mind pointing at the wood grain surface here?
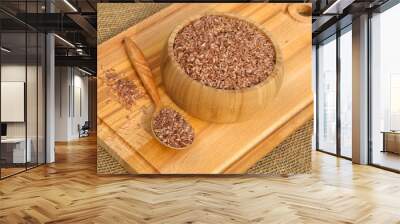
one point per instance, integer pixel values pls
(125, 132)
(143, 70)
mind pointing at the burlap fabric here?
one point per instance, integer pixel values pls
(113, 18)
(106, 164)
(292, 156)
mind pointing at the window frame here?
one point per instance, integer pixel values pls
(334, 37)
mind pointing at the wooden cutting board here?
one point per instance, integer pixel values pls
(218, 148)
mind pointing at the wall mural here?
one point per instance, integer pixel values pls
(205, 89)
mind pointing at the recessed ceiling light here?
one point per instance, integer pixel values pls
(337, 7)
(79, 51)
(84, 71)
(64, 40)
(70, 5)
(5, 50)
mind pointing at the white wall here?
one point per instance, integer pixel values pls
(62, 81)
(69, 82)
(80, 83)
(12, 73)
(33, 127)
(12, 101)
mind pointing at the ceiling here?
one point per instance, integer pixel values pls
(16, 42)
(74, 22)
(329, 16)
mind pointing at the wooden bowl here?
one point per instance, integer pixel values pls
(212, 104)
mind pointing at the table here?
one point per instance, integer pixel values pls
(16, 153)
(391, 141)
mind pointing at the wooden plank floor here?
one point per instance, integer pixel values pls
(69, 191)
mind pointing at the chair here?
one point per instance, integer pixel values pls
(84, 130)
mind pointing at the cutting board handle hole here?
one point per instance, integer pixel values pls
(300, 12)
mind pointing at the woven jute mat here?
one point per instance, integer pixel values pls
(113, 18)
(292, 156)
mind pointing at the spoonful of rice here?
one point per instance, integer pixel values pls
(168, 126)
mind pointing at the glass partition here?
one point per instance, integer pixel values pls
(346, 93)
(327, 96)
(385, 89)
(22, 107)
(13, 94)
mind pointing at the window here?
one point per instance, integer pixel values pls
(385, 89)
(346, 93)
(334, 94)
(394, 102)
(327, 96)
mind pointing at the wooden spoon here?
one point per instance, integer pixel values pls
(143, 70)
